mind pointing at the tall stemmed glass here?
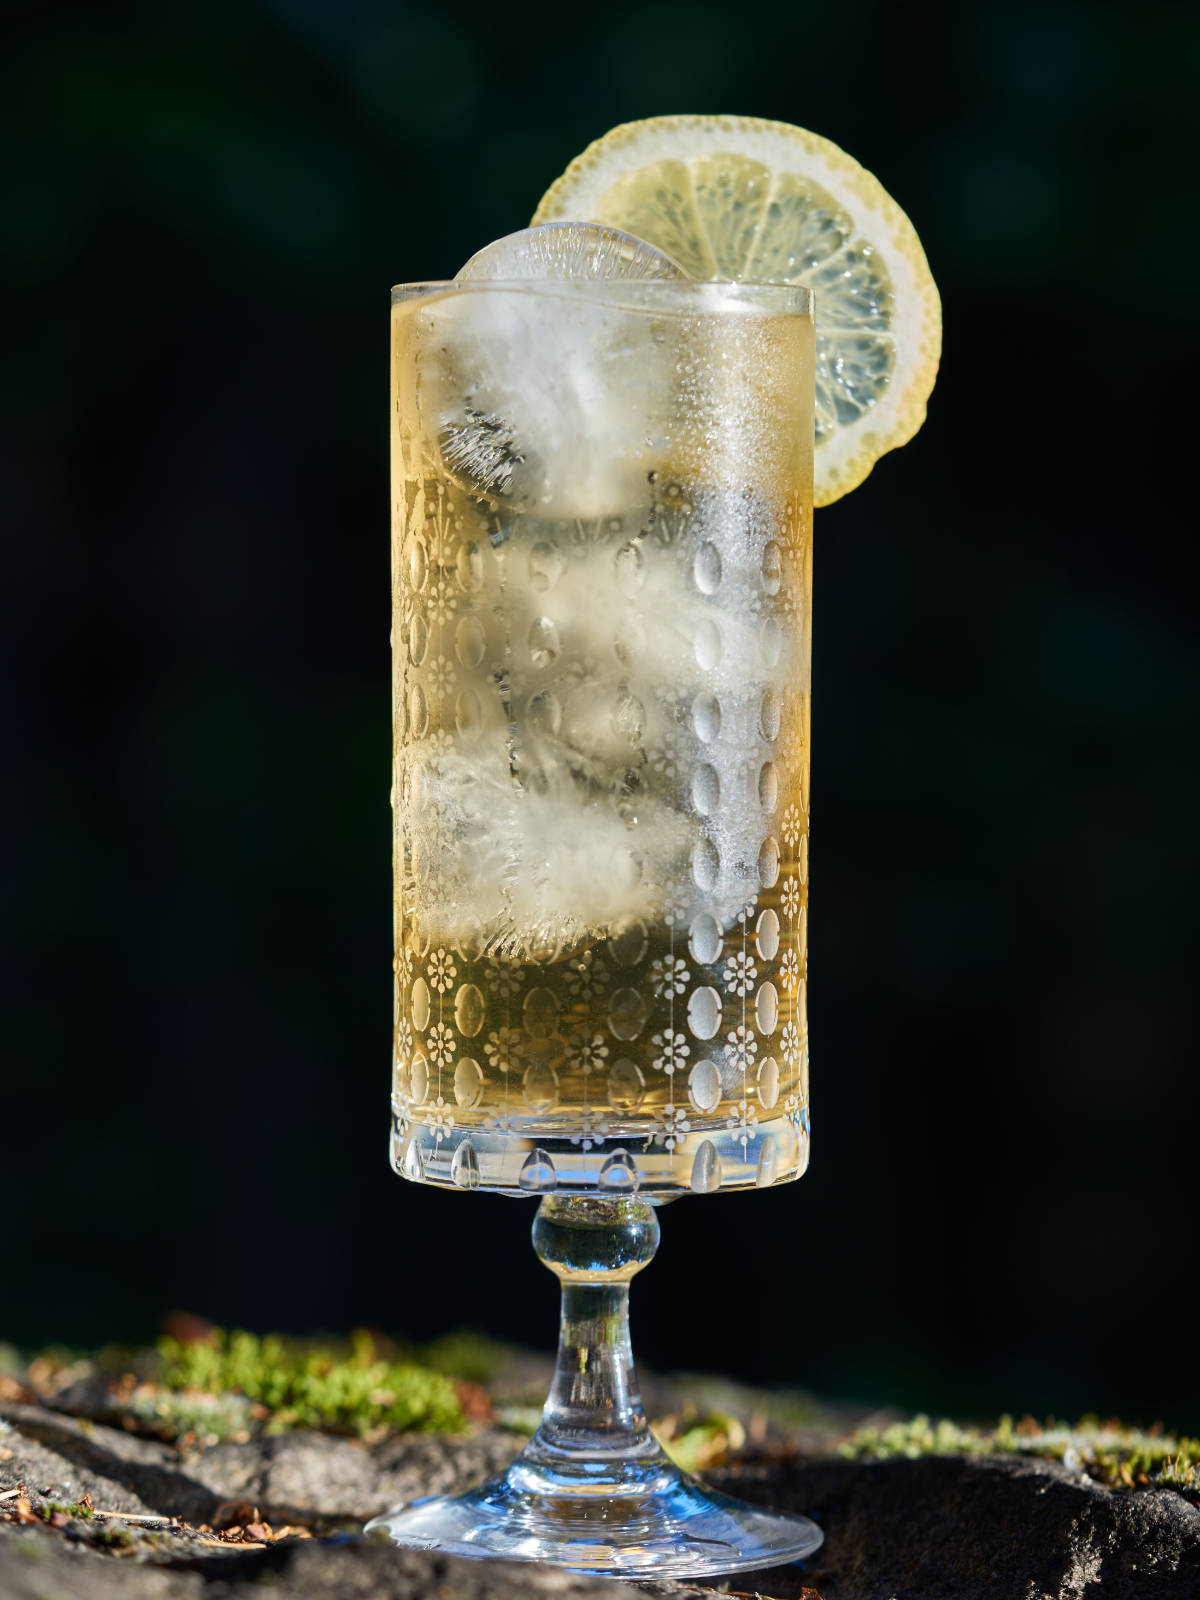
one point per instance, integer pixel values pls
(602, 560)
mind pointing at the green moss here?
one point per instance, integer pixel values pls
(467, 1355)
(1107, 1451)
(305, 1384)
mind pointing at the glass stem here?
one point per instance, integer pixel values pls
(593, 1430)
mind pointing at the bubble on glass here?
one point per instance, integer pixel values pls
(768, 863)
(546, 566)
(768, 1082)
(418, 639)
(706, 716)
(766, 935)
(626, 1085)
(704, 939)
(768, 787)
(704, 1012)
(420, 1005)
(469, 1010)
(769, 715)
(543, 642)
(706, 864)
(706, 1169)
(706, 568)
(629, 946)
(540, 1087)
(706, 789)
(626, 1014)
(618, 1174)
(537, 1174)
(704, 1086)
(418, 712)
(464, 1166)
(468, 1082)
(418, 565)
(470, 642)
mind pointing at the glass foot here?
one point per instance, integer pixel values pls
(661, 1521)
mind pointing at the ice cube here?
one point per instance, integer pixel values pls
(569, 251)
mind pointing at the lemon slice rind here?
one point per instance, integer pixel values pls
(896, 345)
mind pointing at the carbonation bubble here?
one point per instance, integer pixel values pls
(706, 716)
(419, 1079)
(420, 1005)
(768, 863)
(626, 1086)
(469, 1010)
(766, 935)
(618, 1174)
(546, 564)
(468, 1082)
(706, 864)
(544, 714)
(540, 1087)
(706, 789)
(766, 1008)
(468, 715)
(704, 939)
(768, 1162)
(629, 946)
(470, 641)
(704, 1012)
(543, 641)
(418, 713)
(768, 1082)
(768, 787)
(418, 639)
(706, 568)
(706, 1169)
(769, 715)
(626, 1014)
(707, 644)
(469, 566)
(704, 1086)
(464, 1167)
(772, 566)
(540, 1010)
(537, 1175)
(417, 565)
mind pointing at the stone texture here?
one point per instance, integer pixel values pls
(932, 1528)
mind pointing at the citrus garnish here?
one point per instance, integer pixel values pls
(568, 250)
(736, 197)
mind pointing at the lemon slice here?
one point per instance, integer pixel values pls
(568, 250)
(736, 197)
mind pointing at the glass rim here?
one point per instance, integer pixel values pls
(790, 299)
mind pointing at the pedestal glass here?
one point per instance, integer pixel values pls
(602, 563)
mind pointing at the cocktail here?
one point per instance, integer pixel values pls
(602, 602)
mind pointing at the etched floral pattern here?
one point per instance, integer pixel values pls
(403, 1042)
(789, 898)
(442, 600)
(741, 1049)
(673, 1051)
(441, 1044)
(743, 1122)
(502, 981)
(500, 1049)
(789, 1044)
(668, 976)
(587, 1051)
(789, 970)
(592, 1129)
(740, 973)
(672, 1127)
(792, 827)
(442, 971)
(441, 675)
(584, 975)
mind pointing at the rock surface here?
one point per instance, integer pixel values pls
(931, 1528)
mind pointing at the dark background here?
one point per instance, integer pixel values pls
(205, 207)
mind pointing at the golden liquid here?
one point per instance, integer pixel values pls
(601, 727)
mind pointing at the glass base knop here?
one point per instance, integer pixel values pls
(593, 1489)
